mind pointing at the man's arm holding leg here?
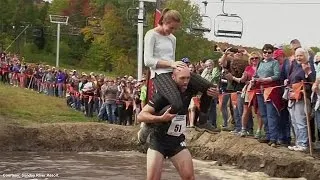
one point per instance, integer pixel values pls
(147, 115)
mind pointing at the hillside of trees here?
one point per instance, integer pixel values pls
(99, 35)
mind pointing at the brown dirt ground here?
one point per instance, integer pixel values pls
(245, 153)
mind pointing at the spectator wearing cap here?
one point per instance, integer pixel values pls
(284, 124)
(186, 60)
(278, 46)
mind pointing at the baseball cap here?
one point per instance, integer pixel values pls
(278, 46)
(185, 60)
(277, 53)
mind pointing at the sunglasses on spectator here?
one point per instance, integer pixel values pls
(254, 58)
(267, 52)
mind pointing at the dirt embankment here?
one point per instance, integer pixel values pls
(243, 152)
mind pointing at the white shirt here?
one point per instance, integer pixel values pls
(87, 87)
(158, 47)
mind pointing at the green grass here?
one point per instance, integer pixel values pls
(24, 106)
(220, 120)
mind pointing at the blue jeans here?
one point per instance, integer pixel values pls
(60, 89)
(270, 118)
(299, 122)
(50, 91)
(102, 115)
(238, 112)
(213, 112)
(97, 104)
(224, 109)
(111, 111)
(107, 111)
(77, 102)
(121, 113)
(284, 126)
(317, 119)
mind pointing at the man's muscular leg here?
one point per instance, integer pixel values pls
(154, 164)
(184, 165)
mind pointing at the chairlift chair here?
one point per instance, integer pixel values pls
(95, 24)
(204, 18)
(132, 17)
(228, 25)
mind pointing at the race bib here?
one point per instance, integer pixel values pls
(178, 125)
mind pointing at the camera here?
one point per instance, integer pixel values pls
(234, 50)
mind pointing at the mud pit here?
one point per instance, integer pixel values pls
(245, 153)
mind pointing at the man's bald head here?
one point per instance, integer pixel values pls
(181, 76)
(184, 70)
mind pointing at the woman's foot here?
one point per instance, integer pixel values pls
(243, 133)
(272, 144)
(258, 135)
(300, 148)
(263, 140)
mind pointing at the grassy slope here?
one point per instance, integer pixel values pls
(24, 106)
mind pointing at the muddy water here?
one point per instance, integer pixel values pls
(105, 165)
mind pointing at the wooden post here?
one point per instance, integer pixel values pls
(308, 118)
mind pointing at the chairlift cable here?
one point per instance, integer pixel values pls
(261, 3)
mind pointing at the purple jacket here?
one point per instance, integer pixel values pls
(16, 68)
(61, 77)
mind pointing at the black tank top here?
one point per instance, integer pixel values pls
(160, 130)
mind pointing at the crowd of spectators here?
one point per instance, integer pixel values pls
(266, 85)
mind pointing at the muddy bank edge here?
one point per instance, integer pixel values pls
(229, 149)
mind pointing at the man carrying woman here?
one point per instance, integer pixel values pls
(159, 56)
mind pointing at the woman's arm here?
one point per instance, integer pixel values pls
(149, 60)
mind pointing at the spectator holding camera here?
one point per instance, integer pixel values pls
(234, 61)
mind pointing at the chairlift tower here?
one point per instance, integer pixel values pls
(57, 19)
(141, 19)
(204, 19)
